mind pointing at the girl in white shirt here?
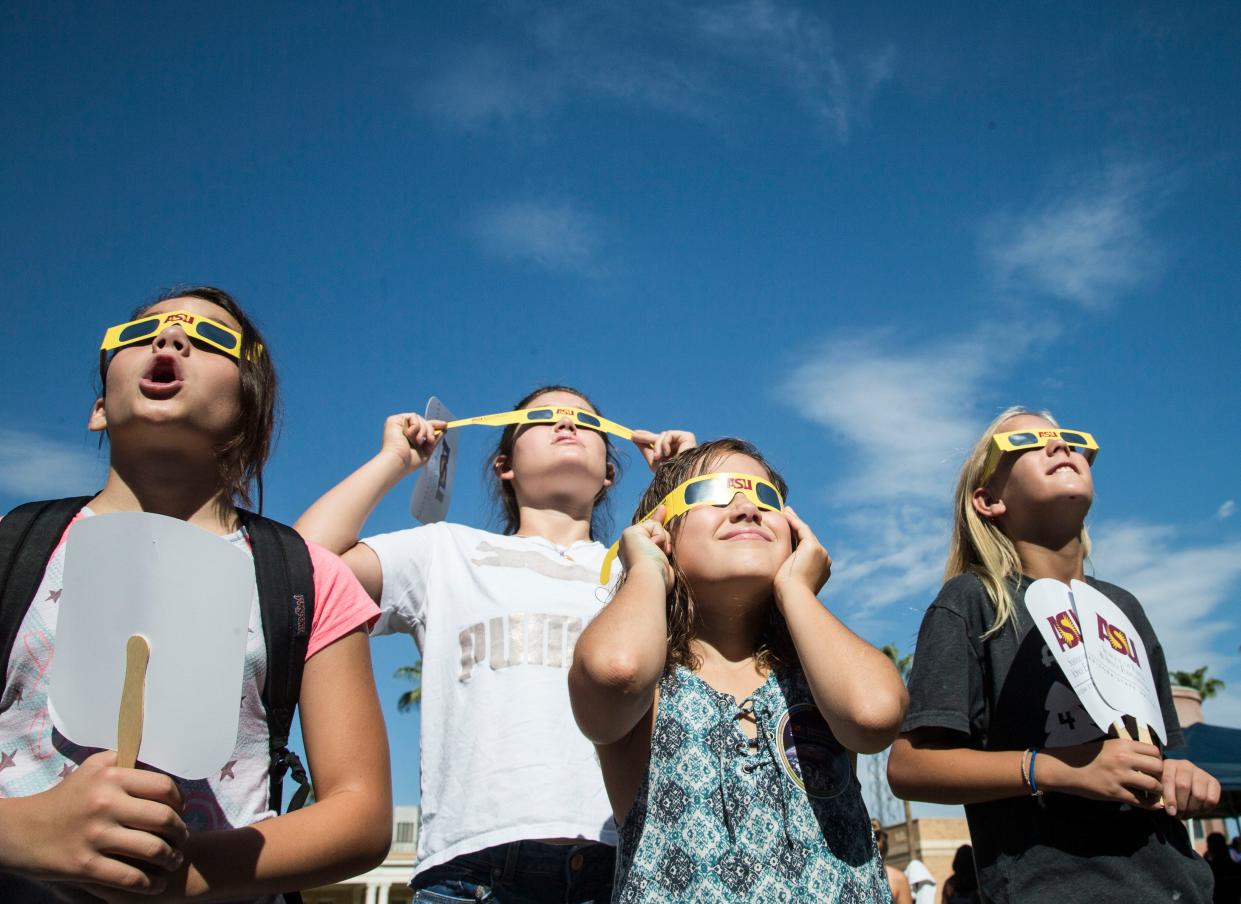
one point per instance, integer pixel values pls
(513, 804)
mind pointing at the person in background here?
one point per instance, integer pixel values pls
(921, 882)
(962, 886)
(901, 893)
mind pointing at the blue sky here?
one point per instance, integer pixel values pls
(848, 233)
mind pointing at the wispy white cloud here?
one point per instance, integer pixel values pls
(1184, 587)
(673, 58)
(906, 413)
(1087, 242)
(1226, 509)
(555, 235)
(34, 467)
(798, 47)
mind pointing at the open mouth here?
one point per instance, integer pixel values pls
(163, 376)
(164, 370)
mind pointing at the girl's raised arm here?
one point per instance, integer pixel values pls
(335, 521)
(620, 656)
(855, 686)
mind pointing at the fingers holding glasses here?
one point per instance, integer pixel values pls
(411, 438)
(658, 447)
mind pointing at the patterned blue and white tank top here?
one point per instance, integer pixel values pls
(722, 818)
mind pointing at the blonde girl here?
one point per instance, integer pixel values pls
(1057, 810)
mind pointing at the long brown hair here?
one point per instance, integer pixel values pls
(504, 497)
(240, 458)
(775, 645)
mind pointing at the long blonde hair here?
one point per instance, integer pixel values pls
(978, 545)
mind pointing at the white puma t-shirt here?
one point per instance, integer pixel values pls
(496, 618)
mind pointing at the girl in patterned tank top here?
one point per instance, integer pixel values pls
(727, 703)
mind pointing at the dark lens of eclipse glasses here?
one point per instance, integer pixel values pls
(767, 495)
(139, 330)
(713, 491)
(213, 333)
(587, 419)
(1023, 439)
(540, 414)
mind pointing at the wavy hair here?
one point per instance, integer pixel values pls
(978, 546)
(775, 645)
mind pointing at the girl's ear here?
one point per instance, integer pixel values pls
(503, 469)
(609, 475)
(987, 506)
(98, 420)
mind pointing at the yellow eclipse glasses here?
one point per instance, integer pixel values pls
(1023, 440)
(145, 329)
(546, 415)
(707, 489)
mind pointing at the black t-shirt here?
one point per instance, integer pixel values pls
(1008, 693)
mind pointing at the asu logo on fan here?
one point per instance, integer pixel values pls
(1066, 629)
(1117, 640)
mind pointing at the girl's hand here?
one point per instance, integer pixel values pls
(102, 824)
(809, 565)
(410, 439)
(648, 544)
(1119, 769)
(657, 447)
(1187, 789)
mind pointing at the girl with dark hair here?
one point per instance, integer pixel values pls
(726, 703)
(187, 402)
(513, 809)
(1054, 803)
(962, 886)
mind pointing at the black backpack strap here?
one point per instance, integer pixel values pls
(285, 578)
(28, 536)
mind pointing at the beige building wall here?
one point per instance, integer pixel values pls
(935, 842)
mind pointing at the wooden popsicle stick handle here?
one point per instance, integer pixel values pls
(133, 694)
(1121, 731)
(1144, 735)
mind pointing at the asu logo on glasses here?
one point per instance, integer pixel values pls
(1025, 440)
(707, 489)
(581, 417)
(209, 332)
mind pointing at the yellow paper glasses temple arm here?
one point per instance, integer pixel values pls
(706, 489)
(1023, 440)
(545, 415)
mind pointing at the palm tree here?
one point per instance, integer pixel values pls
(1198, 680)
(903, 663)
(413, 696)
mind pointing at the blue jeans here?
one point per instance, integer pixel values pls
(522, 872)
